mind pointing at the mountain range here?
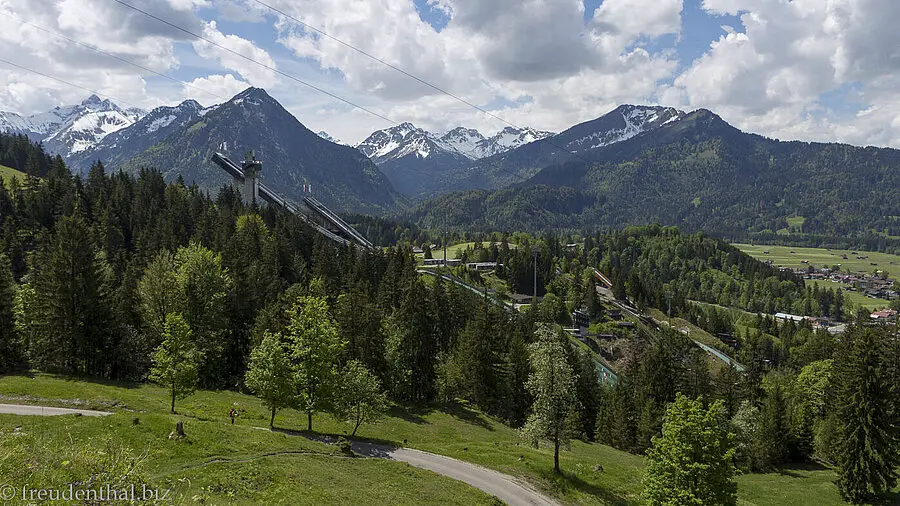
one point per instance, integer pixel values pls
(72, 129)
(633, 165)
(693, 170)
(418, 163)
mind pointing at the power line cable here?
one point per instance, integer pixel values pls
(418, 79)
(330, 94)
(266, 66)
(111, 55)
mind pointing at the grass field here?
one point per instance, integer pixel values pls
(782, 256)
(241, 464)
(7, 173)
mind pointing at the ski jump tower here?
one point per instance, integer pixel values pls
(249, 187)
(245, 179)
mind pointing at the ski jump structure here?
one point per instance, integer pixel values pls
(245, 179)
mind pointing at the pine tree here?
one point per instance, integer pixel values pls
(71, 306)
(554, 414)
(870, 453)
(9, 349)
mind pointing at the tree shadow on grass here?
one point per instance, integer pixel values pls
(567, 481)
(792, 468)
(411, 414)
(468, 415)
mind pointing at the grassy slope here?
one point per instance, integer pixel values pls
(7, 173)
(782, 256)
(457, 432)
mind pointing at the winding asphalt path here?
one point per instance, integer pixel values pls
(23, 409)
(499, 485)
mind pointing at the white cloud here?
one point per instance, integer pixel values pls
(773, 77)
(240, 55)
(489, 52)
(213, 89)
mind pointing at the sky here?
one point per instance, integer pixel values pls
(814, 70)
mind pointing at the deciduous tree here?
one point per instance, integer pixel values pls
(270, 375)
(359, 396)
(554, 415)
(691, 463)
(176, 359)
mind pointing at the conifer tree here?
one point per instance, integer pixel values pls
(9, 349)
(869, 453)
(70, 302)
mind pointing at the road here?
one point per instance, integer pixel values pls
(504, 487)
(22, 409)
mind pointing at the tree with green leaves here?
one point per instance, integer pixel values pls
(271, 376)
(315, 349)
(554, 413)
(176, 360)
(691, 463)
(159, 292)
(204, 284)
(359, 396)
(870, 436)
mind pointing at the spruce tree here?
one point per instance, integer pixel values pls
(9, 349)
(70, 302)
(870, 453)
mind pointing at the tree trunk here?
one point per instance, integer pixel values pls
(358, 420)
(309, 421)
(556, 456)
(272, 420)
(173, 398)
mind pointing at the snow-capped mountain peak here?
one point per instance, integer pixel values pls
(621, 124)
(405, 139)
(71, 129)
(323, 134)
(397, 142)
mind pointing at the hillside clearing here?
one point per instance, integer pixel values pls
(243, 464)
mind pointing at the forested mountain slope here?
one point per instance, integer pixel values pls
(699, 173)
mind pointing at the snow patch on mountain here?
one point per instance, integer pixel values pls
(623, 123)
(323, 134)
(72, 129)
(463, 143)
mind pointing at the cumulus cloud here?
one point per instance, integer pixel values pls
(239, 54)
(775, 77)
(213, 89)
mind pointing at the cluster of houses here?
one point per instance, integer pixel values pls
(876, 287)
